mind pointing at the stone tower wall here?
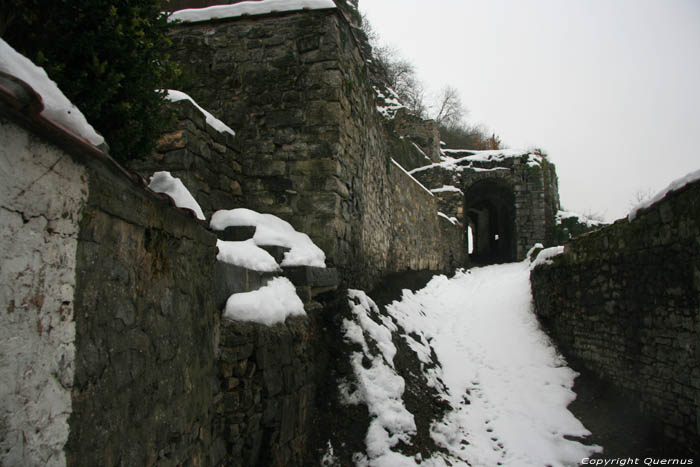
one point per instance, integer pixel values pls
(314, 150)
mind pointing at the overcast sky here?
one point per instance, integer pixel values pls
(610, 89)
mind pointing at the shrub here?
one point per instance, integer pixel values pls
(106, 56)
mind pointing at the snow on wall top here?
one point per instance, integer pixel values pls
(192, 15)
(212, 121)
(411, 176)
(269, 305)
(580, 218)
(673, 186)
(57, 107)
(462, 159)
(164, 182)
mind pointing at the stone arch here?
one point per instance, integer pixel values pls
(489, 210)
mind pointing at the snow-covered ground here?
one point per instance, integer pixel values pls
(507, 387)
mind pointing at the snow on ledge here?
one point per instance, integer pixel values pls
(163, 182)
(246, 254)
(545, 256)
(192, 15)
(580, 218)
(212, 121)
(673, 186)
(57, 107)
(412, 177)
(268, 305)
(418, 148)
(452, 220)
(447, 189)
(271, 230)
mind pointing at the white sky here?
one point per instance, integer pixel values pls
(609, 88)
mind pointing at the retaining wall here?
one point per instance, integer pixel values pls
(113, 351)
(625, 300)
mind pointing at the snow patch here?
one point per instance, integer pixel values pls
(246, 254)
(411, 176)
(447, 189)
(192, 15)
(673, 186)
(378, 386)
(450, 160)
(580, 218)
(271, 230)
(212, 121)
(452, 220)
(391, 103)
(545, 256)
(57, 107)
(269, 305)
(420, 150)
(163, 182)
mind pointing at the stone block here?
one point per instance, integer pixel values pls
(311, 276)
(276, 251)
(237, 233)
(230, 279)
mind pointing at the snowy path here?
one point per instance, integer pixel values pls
(507, 386)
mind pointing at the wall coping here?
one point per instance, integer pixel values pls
(22, 104)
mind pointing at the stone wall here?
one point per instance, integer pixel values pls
(42, 191)
(625, 301)
(418, 132)
(314, 150)
(268, 377)
(421, 240)
(205, 159)
(145, 381)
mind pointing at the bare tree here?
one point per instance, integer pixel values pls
(641, 196)
(399, 73)
(449, 110)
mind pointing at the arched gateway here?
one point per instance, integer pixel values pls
(490, 213)
(505, 199)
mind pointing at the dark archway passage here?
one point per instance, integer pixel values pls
(490, 213)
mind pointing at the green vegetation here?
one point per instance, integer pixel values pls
(107, 58)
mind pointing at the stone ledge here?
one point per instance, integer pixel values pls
(236, 234)
(230, 279)
(311, 276)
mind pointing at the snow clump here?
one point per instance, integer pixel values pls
(164, 182)
(268, 305)
(271, 230)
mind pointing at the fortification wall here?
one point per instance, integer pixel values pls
(624, 300)
(314, 150)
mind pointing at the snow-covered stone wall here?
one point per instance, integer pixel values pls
(625, 301)
(42, 193)
(314, 149)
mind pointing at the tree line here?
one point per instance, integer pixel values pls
(446, 108)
